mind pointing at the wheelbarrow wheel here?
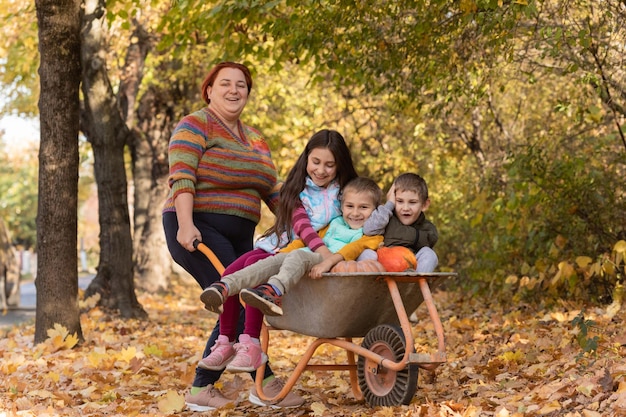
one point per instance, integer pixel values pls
(380, 386)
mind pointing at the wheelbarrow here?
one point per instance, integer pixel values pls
(371, 305)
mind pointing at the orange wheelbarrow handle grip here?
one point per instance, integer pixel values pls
(210, 255)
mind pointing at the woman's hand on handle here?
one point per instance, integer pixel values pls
(187, 230)
(187, 236)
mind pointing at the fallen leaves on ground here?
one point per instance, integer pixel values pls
(502, 361)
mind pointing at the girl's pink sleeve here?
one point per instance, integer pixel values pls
(304, 230)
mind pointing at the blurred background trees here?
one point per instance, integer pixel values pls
(512, 111)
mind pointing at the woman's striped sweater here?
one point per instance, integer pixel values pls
(226, 174)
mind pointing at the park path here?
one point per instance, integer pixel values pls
(28, 300)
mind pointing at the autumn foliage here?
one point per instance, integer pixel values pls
(509, 360)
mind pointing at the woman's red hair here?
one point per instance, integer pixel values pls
(212, 75)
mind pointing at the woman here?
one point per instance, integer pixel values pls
(220, 170)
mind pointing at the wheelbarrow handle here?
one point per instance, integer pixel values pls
(210, 255)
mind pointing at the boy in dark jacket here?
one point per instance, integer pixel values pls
(402, 221)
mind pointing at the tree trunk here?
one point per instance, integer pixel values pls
(57, 217)
(150, 130)
(105, 129)
(150, 171)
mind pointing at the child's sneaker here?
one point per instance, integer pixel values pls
(264, 298)
(214, 296)
(208, 399)
(221, 354)
(271, 389)
(248, 355)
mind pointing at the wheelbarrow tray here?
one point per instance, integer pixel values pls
(348, 304)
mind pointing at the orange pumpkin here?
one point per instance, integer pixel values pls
(396, 258)
(367, 265)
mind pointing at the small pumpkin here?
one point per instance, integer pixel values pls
(367, 265)
(396, 258)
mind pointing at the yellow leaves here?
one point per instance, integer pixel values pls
(620, 403)
(613, 308)
(550, 408)
(89, 303)
(608, 268)
(453, 409)
(10, 364)
(468, 6)
(574, 274)
(23, 403)
(517, 356)
(318, 408)
(477, 220)
(88, 392)
(583, 261)
(95, 357)
(109, 395)
(608, 264)
(502, 412)
(171, 403)
(385, 412)
(587, 388)
(127, 354)
(59, 338)
(620, 252)
(53, 376)
(564, 316)
(566, 271)
(528, 283)
(511, 279)
(464, 323)
(152, 350)
(41, 393)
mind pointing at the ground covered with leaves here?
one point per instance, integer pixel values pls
(512, 360)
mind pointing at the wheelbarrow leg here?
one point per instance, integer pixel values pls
(396, 298)
(291, 381)
(354, 378)
(438, 357)
(426, 361)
